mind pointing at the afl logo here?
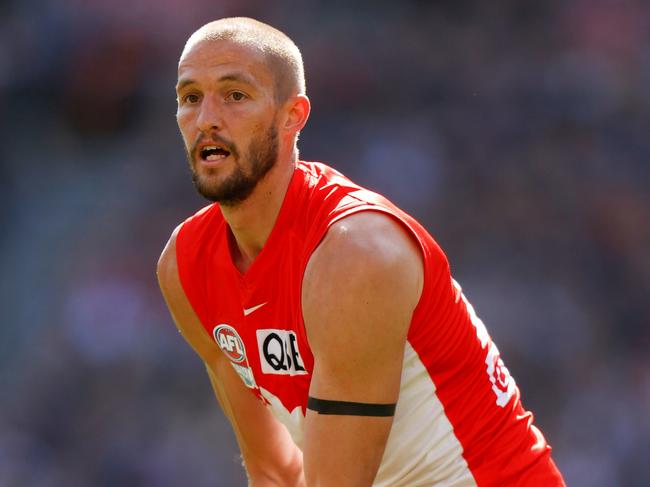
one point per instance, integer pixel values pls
(230, 342)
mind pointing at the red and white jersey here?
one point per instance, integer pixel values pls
(459, 420)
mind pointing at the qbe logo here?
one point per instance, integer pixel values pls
(230, 342)
(279, 352)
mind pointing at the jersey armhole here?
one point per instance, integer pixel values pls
(181, 261)
(186, 265)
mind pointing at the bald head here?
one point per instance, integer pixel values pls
(280, 53)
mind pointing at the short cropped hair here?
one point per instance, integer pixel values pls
(281, 53)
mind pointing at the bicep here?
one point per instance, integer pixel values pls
(359, 292)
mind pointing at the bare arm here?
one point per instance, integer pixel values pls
(360, 289)
(270, 456)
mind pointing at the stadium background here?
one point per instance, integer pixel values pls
(517, 131)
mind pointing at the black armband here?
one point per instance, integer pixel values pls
(323, 406)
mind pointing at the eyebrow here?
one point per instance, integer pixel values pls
(237, 77)
(183, 83)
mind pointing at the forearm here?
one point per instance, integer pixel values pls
(344, 450)
(271, 458)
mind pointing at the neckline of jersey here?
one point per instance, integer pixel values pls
(281, 220)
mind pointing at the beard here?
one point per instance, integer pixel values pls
(261, 156)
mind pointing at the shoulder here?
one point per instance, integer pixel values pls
(367, 263)
(368, 242)
(363, 281)
(203, 220)
(189, 238)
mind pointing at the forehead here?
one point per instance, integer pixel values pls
(209, 57)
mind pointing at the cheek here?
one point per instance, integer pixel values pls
(183, 120)
(182, 117)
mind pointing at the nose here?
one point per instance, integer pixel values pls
(209, 117)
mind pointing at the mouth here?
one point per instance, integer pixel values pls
(212, 153)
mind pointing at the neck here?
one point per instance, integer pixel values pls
(252, 220)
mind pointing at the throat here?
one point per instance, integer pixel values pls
(251, 222)
(241, 256)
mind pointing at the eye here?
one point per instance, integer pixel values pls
(236, 96)
(190, 98)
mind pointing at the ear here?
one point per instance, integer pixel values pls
(296, 114)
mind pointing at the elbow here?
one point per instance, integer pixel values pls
(277, 479)
(289, 474)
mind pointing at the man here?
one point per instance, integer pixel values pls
(337, 343)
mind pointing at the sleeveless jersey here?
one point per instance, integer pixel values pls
(459, 420)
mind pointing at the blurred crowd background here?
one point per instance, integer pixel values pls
(516, 131)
